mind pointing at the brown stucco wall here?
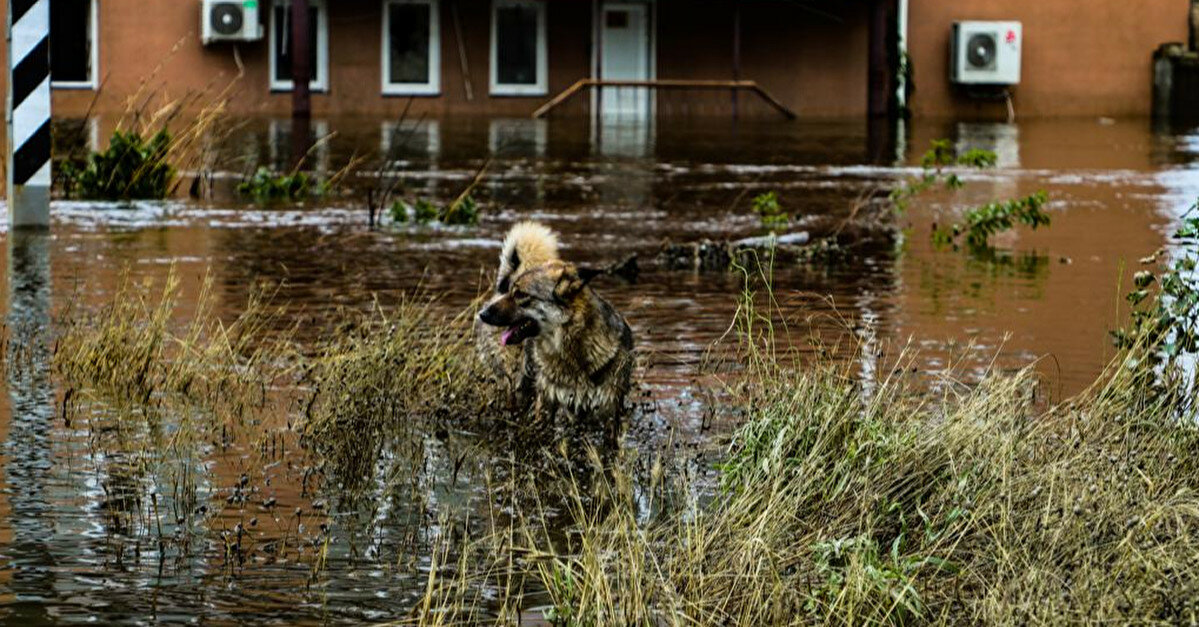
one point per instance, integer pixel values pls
(1079, 58)
(1087, 58)
(152, 49)
(810, 56)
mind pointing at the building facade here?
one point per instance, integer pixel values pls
(509, 57)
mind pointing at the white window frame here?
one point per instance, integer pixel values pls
(322, 47)
(92, 83)
(433, 86)
(541, 87)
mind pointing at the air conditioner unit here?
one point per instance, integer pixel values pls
(230, 20)
(985, 53)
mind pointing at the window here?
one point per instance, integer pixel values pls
(73, 50)
(411, 47)
(318, 46)
(518, 64)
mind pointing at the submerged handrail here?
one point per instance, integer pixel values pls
(585, 83)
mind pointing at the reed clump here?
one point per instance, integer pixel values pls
(134, 350)
(401, 373)
(858, 502)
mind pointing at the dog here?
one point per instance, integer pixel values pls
(578, 348)
(527, 244)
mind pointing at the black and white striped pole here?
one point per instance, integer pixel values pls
(28, 113)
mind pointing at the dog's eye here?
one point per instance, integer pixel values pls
(520, 295)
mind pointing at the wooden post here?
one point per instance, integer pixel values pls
(28, 145)
(301, 79)
(301, 72)
(883, 60)
(1193, 40)
(736, 50)
(598, 21)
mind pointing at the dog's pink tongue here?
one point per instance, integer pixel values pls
(507, 335)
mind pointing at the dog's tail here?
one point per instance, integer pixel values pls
(527, 243)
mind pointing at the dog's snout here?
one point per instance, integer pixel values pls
(489, 316)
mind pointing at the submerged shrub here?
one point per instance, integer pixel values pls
(420, 212)
(940, 155)
(131, 168)
(265, 187)
(462, 212)
(994, 218)
(769, 211)
(1167, 327)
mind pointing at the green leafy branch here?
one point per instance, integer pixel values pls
(1170, 322)
(933, 164)
(766, 205)
(993, 218)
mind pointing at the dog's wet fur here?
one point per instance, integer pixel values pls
(527, 244)
(577, 355)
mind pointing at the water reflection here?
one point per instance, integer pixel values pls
(30, 557)
(282, 152)
(517, 137)
(626, 137)
(402, 140)
(1001, 139)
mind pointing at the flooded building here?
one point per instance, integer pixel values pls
(817, 58)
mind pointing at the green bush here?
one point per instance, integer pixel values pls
(464, 212)
(769, 211)
(996, 217)
(1168, 324)
(939, 156)
(132, 168)
(265, 187)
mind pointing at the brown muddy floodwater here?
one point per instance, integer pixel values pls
(1116, 188)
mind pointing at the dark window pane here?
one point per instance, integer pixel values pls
(617, 19)
(283, 43)
(409, 45)
(71, 45)
(516, 45)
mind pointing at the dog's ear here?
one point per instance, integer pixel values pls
(570, 283)
(513, 264)
(587, 273)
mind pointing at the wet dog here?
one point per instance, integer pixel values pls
(578, 348)
(526, 245)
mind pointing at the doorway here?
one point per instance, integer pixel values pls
(625, 46)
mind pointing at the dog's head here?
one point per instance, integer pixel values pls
(540, 298)
(527, 244)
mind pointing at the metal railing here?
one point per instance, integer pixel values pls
(586, 83)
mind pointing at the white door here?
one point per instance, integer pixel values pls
(625, 56)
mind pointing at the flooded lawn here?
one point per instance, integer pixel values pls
(81, 534)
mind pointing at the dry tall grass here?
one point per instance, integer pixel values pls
(857, 504)
(393, 375)
(840, 500)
